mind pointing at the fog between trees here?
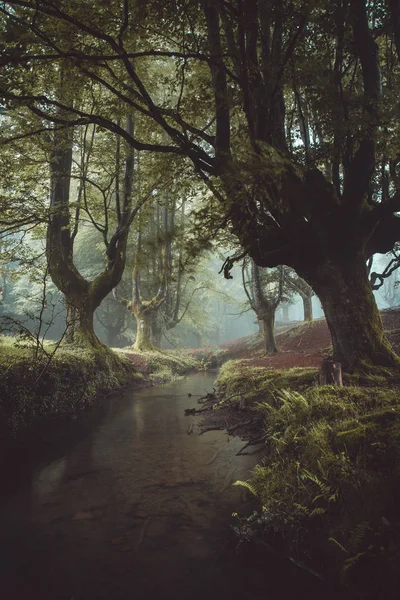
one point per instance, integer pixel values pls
(141, 138)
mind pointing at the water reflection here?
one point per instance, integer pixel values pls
(137, 508)
(48, 478)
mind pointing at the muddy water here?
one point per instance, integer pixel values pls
(135, 508)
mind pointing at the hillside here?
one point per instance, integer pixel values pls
(303, 345)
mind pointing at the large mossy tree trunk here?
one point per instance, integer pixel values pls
(82, 296)
(79, 324)
(144, 320)
(351, 312)
(325, 229)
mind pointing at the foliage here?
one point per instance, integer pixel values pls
(329, 486)
(35, 390)
(161, 366)
(239, 378)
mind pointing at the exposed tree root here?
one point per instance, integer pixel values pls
(253, 442)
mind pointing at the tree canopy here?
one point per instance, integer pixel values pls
(287, 112)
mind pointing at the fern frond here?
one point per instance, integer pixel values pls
(247, 485)
(339, 545)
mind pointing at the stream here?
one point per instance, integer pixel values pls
(129, 505)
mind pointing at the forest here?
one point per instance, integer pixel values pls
(200, 234)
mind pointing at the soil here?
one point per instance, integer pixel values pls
(304, 345)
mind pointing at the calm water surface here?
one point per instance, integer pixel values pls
(134, 507)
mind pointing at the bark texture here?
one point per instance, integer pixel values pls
(351, 312)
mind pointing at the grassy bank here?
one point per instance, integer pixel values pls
(35, 391)
(329, 485)
(161, 366)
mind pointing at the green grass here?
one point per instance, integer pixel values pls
(162, 366)
(329, 485)
(239, 378)
(34, 389)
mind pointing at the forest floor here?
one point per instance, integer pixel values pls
(302, 346)
(328, 482)
(39, 387)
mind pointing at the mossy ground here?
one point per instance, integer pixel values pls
(35, 391)
(240, 379)
(329, 485)
(161, 366)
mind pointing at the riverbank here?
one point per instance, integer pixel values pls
(38, 389)
(328, 482)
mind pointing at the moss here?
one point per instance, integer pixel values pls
(330, 481)
(239, 379)
(161, 366)
(34, 390)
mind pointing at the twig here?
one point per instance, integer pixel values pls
(196, 411)
(213, 428)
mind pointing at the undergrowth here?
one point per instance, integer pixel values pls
(162, 366)
(35, 388)
(329, 486)
(238, 379)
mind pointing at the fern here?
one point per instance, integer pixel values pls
(247, 485)
(338, 544)
(357, 536)
(350, 562)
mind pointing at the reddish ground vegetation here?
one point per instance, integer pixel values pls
(303, 345)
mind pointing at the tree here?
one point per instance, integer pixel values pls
(146, 311)
(115, 321)
(297, 285)
(83, 297)
(264, 291)
(241, 59)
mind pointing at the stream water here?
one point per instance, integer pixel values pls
(132, 506)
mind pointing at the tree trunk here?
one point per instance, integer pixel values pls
(268, 320)
(157, 331)
(80, 325)
(351, 312)
(260, 327)
(112, 336)
(143, 335)
(198, 339)
(308, 310)
(71, 320)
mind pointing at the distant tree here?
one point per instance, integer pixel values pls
(115, 321)
(157, 271)
(228, 72)
(297, 285)
(264, 290)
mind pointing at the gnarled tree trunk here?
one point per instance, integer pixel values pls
(82, 296)
(351, 312)
(144, 320)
